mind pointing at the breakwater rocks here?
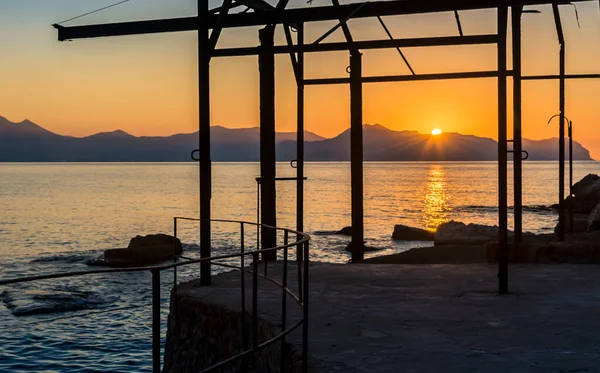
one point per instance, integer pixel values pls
(142, 250)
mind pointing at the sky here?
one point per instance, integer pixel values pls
(147, 85)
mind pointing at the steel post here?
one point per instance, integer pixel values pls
(517, 138)
(571, 229)
(305, 297)
(155, 321)
(502, 153)
(561, 126)
(356, 155)
(266, 66)
(204, 139)
(300, 136)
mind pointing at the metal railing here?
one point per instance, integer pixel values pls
(302, 245)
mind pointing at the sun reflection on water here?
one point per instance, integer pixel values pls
(435, 211)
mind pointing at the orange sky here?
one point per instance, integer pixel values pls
(147, 85)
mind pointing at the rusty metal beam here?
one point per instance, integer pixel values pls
(290, 16)
(365, 44)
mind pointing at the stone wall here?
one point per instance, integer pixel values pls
(201, 334)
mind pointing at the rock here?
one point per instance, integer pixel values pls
(593, 222)
(367, 249)
(142, 250)
(155, 240)
(457, 233)
(586, 195)
(346, 231)
(580, 223)
(586, 185)
(406, 233)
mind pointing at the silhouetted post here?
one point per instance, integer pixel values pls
(356, 155)
(266, 66)
(561, 127)
(571, 229)
(204, 142)
(517, 138)
(502, 153)
(300, 135)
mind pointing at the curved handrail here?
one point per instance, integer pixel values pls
(302, 240)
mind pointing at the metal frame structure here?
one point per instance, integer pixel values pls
(252, 345)
(261, 13)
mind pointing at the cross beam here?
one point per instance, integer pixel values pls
(287, 16)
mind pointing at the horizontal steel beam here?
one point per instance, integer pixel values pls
(365, 44)
(288, 16)
(556, 77)
(406, 78)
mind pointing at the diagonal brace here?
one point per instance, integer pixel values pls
(397, 48)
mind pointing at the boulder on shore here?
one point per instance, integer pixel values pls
(406, 233)
(580, 223)
(142, 250)
(367, 249)
(593, 221)
(586, 195)
(457, 233)
(346, 231)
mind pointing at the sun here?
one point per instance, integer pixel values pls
(436, 131)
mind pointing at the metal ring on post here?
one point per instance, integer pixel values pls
(192, 155)
(294, 163)
(526, 154)
(348, 69)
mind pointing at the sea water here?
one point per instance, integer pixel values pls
(54, 217)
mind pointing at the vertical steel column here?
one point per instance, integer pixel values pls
(517, 138)
(266, 66)
(300, 136)
(561, 127)
(356, 155)
(155, 321)
(204, 142)
(502, 152)
(571, 229)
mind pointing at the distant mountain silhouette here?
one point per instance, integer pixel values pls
(383, 144)
(28, 142)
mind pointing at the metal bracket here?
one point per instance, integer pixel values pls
(192, 155)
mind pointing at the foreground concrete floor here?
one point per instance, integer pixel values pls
(438, 318)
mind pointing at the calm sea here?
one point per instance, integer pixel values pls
(55, 216)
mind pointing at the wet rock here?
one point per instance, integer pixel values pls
(142, 250)
(580, 223)
(586, 195)
(346, 231)
(367, 249)
(593, 221)
(458, 233)
(406, 233)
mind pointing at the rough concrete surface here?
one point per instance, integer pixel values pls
(436, 318)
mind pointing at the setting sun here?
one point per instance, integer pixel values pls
(436, 131)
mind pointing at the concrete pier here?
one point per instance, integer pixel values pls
(435, 318)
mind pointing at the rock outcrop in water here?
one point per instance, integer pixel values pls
(458, 233)
(142, 250)
(406, 233)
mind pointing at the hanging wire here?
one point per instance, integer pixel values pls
(93, 11)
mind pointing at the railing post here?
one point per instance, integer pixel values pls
(155, 321)
(305, 310)
(175, 227)
(284, 299)
(243, 284)
(254, 300)
(299, 255)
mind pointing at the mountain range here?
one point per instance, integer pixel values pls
(28, 142)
